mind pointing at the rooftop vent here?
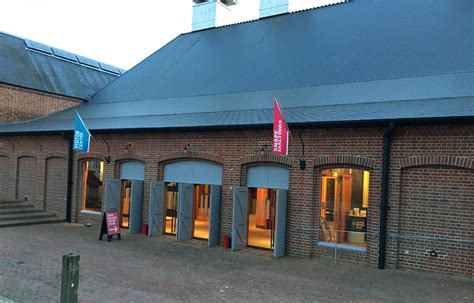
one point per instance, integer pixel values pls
(211, 13)
(273, 7)
(277, 7)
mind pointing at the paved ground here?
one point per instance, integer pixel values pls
(140, 269)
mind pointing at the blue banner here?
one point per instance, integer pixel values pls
(82, 136)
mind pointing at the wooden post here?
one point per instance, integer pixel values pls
(70, 278)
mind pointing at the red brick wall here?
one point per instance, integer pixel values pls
(18, 104)
(436, 213)
(56, 186)
(324, 148)
(25, 159)
(449, 146)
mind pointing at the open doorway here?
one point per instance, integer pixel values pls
(202, 208)
(171, 207)
(125, 203)
(261, 217)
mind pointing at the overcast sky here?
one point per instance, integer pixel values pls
(117, 32)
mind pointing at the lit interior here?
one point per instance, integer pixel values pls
(261, 217)
(125, 207)
(92, 184)
(171, 208)
(344, 206)
(202, 207)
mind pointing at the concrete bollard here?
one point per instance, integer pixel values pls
(70, 278)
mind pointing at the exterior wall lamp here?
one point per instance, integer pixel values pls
(186, 148)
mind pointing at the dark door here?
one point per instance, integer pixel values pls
(214, 218)
(280, 223)
(112, 195)
(136, 207)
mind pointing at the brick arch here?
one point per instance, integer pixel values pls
(6, 154)
(266, 159)
(182, 156)
(345, 160)
(87, 156)
(27, 154)
(438, 160)
(177, 156)
(129, 157)
(55, 155)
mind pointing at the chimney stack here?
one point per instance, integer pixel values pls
(273, 7)
(210, 13)
(278, 7)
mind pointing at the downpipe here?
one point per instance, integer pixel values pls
(387, 138)
(70, 162)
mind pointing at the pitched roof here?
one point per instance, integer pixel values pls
(36, 66)
(365, 60)
(359, 41)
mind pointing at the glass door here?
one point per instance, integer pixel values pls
(201, 211)
(125, 207)
(261, 217)
(171, 207)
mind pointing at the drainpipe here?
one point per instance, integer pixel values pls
(387, 137)
(70, 162)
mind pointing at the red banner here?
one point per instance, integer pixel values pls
(280, 131)
(113, 227)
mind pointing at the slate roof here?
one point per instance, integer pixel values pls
(37, 66)
(366, 60)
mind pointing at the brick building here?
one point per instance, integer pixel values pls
(379, 100)
(36, 79)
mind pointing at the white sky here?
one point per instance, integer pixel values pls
(117, 32)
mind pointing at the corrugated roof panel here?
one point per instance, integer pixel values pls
(38, 46)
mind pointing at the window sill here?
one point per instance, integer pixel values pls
(91, 212)
(342, 246)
